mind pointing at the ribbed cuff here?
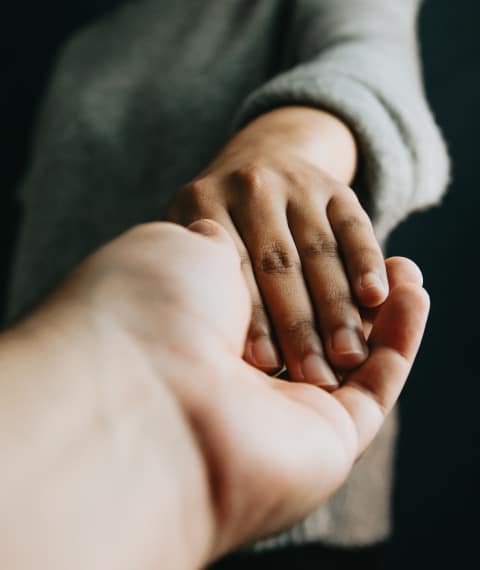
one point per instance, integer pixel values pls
(401, 171)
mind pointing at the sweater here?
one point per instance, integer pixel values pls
(142, 100)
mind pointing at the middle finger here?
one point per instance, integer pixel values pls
(278, 272)
(339, 317)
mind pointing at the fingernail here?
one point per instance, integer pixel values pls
(264, 353)
(347, 341)
(203, 227)
(316, 371)
(372, 281)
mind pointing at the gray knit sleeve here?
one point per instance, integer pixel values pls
(358, 59)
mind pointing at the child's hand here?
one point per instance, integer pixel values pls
(309, 253)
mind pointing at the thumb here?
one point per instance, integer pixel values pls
(209, 228)
(217, 233)
(225, 291)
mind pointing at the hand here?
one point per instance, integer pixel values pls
(273, 450)
(198, 446)
(100, 390)
(279, 449)
(309, 254)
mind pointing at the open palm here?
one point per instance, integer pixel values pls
(273, 450)
(277, 449)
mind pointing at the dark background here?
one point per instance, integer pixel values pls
(437, 502)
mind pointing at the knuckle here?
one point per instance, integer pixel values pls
(344, 196)
(195, 191)
(299, 327)
(349, 194)
(275, 258)
(252, 178)
(193, 201)
(337, 300)
(321, 245)
(301, 332)
(296, 177)
(349, 224)
(337, 189)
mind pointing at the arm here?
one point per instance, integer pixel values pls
(99, 467)
(359, 61)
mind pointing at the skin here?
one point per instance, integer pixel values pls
(133, 435)
(309, 253)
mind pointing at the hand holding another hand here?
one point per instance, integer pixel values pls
(308, 250)
(146, 440)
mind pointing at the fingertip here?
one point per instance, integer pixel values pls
(427, 296)
(402, 319)
(423, 297)
(317, 372)
(262, 354)
(409, 293)
(208, 228)
(216, 233)
(348, 362)
(403, 269)
(348, 349)
(372, 290)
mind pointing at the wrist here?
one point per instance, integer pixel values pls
(104, 455)
(317, 136)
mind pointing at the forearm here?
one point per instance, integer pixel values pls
(99, 466)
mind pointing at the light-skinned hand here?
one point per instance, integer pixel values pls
(145, 440)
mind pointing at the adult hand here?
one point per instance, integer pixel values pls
(199, 450)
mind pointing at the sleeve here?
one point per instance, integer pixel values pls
(358, 59)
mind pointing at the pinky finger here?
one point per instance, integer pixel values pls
(360, 249)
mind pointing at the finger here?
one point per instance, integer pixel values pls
(369, 393)
(278, 272)
(213, 230)
(361, 252)
(209, 228)
(194, 202)
(339, 319)
(403, 270)
(400, 270)
(260, 347)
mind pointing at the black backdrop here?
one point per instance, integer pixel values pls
(438, 462)
(437, 499)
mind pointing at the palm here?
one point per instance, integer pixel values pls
(287, 436)
(274, 450)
